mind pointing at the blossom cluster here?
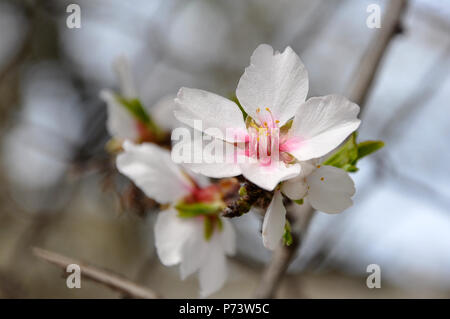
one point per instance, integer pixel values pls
(283, 144)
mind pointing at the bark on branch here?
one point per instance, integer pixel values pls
(96, 274)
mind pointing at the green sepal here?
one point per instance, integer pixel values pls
(209, 224)
(186, 210)
(208, 228)
(287, 236)
(135, 107)
(347, 156)
(298, 201)
(368, 147)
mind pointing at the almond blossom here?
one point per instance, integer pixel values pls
(272, 92)
(127, 118)
(188, 231)
(328, 189)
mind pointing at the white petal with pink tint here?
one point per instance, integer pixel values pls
(225, 165)
(214, 111)
(321, 124)
(268, 176)
(278, 81)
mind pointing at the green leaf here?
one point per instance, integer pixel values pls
(287, 236)
(368, 147)
(346, 155)
(186, 210)
(134, 106)
(299, 201)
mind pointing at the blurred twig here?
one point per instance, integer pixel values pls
(357, 91)
(362, 79)
(102, 276)
(283, 256)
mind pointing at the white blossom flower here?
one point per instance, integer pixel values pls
(327, 189)
(181, 240)
(127, 118)
(272, 91)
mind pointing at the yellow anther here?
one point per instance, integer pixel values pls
(258, 110)
(318, 166)
(322, 178)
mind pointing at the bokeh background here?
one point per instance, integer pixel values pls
(52, 137)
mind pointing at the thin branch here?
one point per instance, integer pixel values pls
(96, 274)
(365, 72)
(282, 257)
(358, 91)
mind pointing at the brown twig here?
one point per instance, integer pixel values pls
(249, 195)
(96, 274)
(357, 91)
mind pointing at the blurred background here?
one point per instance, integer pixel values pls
(55, 189)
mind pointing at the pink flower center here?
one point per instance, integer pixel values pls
(265, 142)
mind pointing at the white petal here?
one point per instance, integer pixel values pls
(122, 68)
(150, 167)
(171, 233)
(278, 81)
(330, 189)
(162, 113)
(194, 250)
(321, 124)
(308, 167)
(199, 161)
(274, 222)
(228, 237)
(213, 110)
(216, 170)
(120, 122)
(268, 177)
(213, 272)
(295, 188)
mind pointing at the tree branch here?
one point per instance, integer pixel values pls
(282, 257)
(96, 274)
(357, 91)
(362, 79)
